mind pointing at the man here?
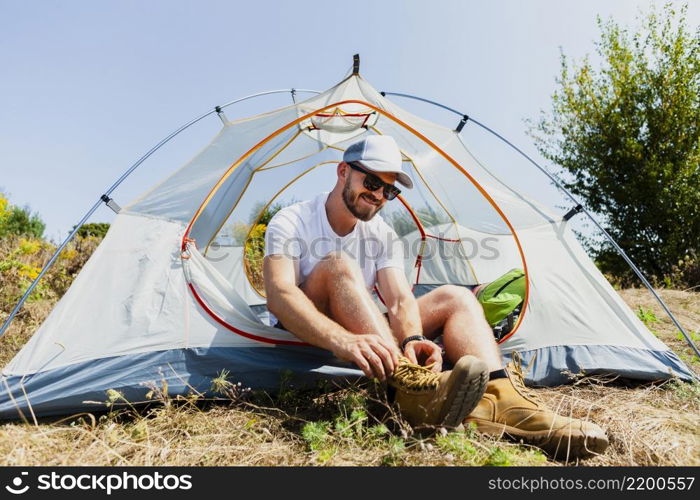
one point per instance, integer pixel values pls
(323, 258)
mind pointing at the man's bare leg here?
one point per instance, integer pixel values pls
(464, 327)
(337, 289)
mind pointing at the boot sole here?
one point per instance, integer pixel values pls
(472, 377)
(560, 446)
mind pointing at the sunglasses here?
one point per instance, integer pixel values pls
(372, 183)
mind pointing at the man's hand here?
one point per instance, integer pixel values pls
(424, 352)
(375, 356)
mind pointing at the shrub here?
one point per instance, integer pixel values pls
(16, 220)
(98, 229)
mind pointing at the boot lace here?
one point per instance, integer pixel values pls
(515, 368)
(412, 376)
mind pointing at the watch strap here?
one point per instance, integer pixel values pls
(411, 339)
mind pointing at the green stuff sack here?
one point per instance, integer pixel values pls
(500, 297)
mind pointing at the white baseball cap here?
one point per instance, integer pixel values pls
(378, 153)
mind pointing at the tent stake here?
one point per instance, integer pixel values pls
(107, 200)
(551, 176)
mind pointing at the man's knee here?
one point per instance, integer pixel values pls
(458, 298)
(340, 265)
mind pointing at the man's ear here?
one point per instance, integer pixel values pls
(343, 170)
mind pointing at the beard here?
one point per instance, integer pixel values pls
(353, 202)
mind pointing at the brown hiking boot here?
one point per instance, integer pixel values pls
(430, 399)
(510, 408)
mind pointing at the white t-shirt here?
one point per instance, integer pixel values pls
(302, 232)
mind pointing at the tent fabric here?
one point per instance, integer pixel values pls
(83, 385)
(172, 287)
(562, 364)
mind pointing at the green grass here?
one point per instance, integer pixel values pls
(353, 428)
(685, 390)
(467, 448)
(694, 336)
(647, 316)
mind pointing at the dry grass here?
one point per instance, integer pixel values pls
(648, 424)
(686, 308)
(245, 433)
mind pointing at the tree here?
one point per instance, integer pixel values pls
(19, 220)
(98, 229)
(626, 137)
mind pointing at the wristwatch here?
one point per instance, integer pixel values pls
(411, 339)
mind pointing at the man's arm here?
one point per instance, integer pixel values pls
(404, 316)
(298, 314)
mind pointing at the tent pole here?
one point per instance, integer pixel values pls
(121, 179)
(551, 176)
(188, 125)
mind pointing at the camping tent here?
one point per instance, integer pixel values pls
(173, 292)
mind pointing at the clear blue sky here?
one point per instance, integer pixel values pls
(87, 87)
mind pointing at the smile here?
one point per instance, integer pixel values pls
(369, 201)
